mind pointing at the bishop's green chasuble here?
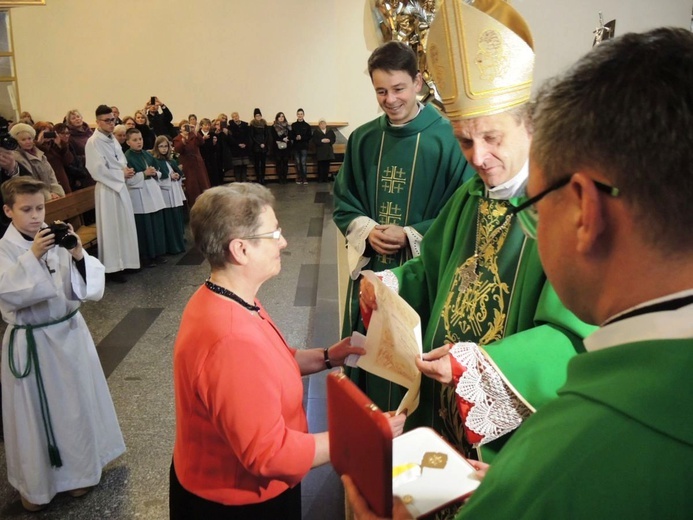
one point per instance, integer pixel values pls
(479, 279)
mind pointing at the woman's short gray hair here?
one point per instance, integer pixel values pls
(224, 213)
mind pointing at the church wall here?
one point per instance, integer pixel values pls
(212, 56)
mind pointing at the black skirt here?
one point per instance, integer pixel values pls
(184, 505)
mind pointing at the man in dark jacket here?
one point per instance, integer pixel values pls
(240, 147)
(300, 135)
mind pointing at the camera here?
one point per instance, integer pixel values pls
(6, 140)
(188, 128)
(223, 124)
(62, 236)
(49, 135)
(152, 100)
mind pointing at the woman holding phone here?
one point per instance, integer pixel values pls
(55, 143)
(224, 149)
(187, 144)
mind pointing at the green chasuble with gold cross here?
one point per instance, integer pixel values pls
(478, 279)
(400, 175)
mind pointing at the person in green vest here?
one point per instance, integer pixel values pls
(610, 185)
(496, 337)
(147, 201)
(399, 170)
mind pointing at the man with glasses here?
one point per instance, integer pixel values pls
(478, 284)
(611, 182)
(115, 219)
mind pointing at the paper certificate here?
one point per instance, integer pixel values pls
(393, 342)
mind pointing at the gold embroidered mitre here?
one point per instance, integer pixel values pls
(480, 57)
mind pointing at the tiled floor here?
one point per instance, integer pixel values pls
(134, 327)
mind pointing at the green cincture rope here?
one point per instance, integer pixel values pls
(32, 359)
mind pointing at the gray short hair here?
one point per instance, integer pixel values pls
(224, 213)
(626, 110)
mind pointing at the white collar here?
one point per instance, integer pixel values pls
(419, 105)
(510, 188)
(674, 324)
(14, 236)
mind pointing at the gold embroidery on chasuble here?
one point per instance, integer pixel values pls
(393, 180)
(394, 192)
(476, 306)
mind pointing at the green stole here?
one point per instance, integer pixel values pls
(162, 166)
(139, 161)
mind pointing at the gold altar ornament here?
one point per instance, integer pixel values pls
(604, 31)
(408, 21)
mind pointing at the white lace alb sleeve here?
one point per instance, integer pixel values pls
(356, 236)
(415, 239)
(496, 409)
(389, 279)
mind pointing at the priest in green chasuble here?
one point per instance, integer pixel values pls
(398, 172)
(495, 334)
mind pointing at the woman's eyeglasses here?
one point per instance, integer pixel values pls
(276, 234)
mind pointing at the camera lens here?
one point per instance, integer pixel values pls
(68, 242)
(62, 236)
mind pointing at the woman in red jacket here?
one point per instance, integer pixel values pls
(187, 143)
(242, 443)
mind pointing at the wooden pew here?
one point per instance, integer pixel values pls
(70, 209)
(311, 166)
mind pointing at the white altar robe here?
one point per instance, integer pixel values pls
(115, 220)
(84, 421)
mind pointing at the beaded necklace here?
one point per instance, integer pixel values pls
(231, 295)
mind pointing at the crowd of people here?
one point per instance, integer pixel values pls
(196, 155)
(227, 147)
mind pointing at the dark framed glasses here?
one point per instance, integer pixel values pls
(528, 216)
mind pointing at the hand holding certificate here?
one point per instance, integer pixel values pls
(393, 342)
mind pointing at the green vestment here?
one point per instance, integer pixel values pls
(499, 299)
(395, 175)
(616, 444)
(151, 236)
(174, 226)
(139, 161)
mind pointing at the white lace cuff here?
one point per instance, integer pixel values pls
(389, 279)
(356, 236)
(415, 239)
(496, 409)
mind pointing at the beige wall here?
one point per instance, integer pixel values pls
(211, 56)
